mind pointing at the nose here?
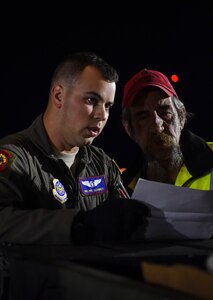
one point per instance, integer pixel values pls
(157, 123)
(101, 113)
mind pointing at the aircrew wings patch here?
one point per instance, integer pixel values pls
(5, 157)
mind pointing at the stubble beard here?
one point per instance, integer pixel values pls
(170, 157)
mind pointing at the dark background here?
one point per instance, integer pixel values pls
(173, 38)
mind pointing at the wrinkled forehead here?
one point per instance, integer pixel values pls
(149, 94)
(154, 105)
(153, 102)
(166, 101)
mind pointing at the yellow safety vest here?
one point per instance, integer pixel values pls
(184, 178)
(204, 182)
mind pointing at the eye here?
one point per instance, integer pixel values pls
(167, 115)
(91, 101)
(141, 116)
(165, 112)
(109, 105)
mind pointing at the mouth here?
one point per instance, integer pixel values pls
(164, 140)
(93, 131)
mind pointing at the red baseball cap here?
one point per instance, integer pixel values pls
(143, 79)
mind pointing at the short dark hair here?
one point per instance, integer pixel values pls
(74, 63)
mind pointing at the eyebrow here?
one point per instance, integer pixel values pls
(94, 94)
(164, 105)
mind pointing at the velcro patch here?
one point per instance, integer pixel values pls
(93, 185)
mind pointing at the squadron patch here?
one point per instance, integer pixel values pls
(93, 185)
(58, 191)
(5, 157)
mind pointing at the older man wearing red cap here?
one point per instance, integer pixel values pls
(154, 118)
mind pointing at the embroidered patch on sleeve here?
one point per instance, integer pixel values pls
(93, 185)
(58, 191)
(5, 157)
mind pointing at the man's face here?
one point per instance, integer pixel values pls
(84, 109)
(156, 126)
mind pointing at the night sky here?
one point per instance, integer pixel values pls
(178, 40)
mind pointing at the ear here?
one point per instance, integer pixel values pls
(127, 128)
(57, 92)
